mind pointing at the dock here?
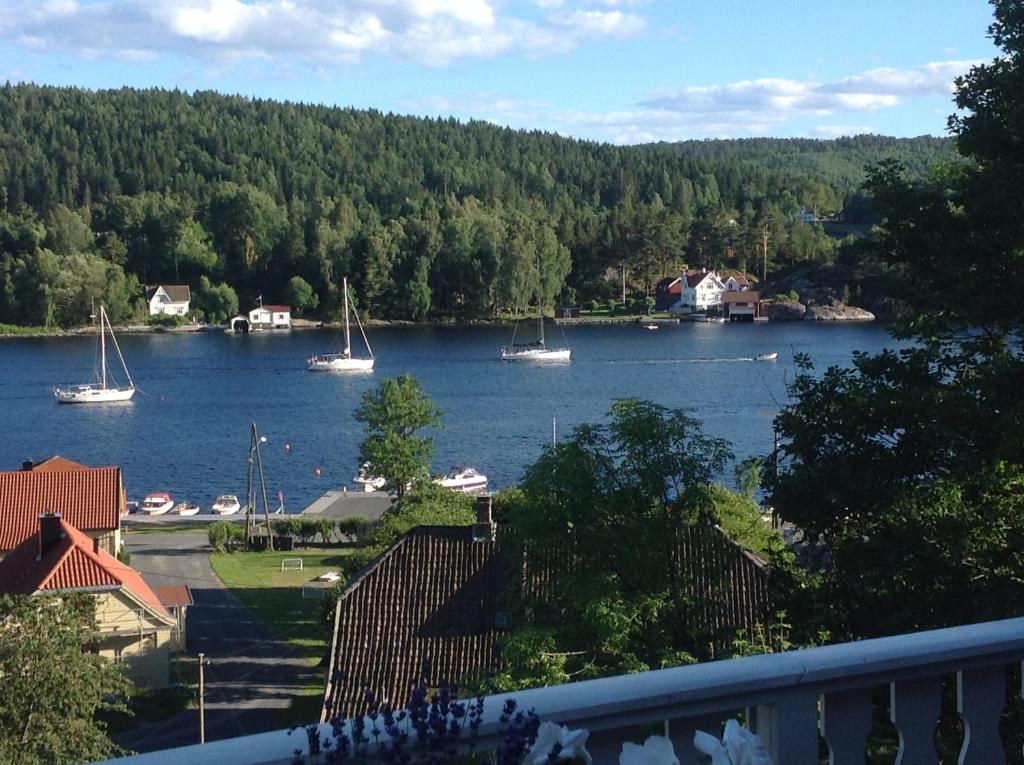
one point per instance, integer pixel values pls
(334, 505)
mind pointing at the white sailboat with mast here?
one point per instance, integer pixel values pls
(344, 361)
(104, 390)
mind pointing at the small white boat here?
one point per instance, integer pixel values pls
(463, 478)
(226, 504)
(157, 503)
(767, 356)
(102, 391)
(367, 481)
(344, 361)
(186, 508)
(651, 326)
(534, 352)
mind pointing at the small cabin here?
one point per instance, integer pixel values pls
(271, 317)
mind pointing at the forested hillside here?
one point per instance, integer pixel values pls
(101, 192)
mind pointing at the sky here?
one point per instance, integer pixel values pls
(618, 71)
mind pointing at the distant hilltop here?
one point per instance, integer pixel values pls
(104, 191)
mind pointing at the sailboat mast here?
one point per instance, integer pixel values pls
(103, 349)
(348, 340)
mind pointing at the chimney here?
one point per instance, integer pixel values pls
(483, 529)
(27, 465)
(49, 531)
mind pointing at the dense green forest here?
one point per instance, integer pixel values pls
(102, 192)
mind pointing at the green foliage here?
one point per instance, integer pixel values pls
(53, 685)
(354, 529)
(602, 515)
(300, 296)
(394, 415)
(225, 536)
(909, 464)
(451, 220)
(426, 505)
(740, 518)
(217, 302)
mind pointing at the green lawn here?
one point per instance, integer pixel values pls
(275, 596)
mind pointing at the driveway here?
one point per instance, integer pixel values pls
(251, 674)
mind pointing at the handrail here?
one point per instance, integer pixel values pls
(690, 691)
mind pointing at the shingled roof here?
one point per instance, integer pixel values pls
(432, 596)
(90, 499)
(60, 558)
(176, 293)
(436, 596)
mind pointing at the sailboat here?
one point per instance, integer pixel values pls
(344, 361)
(104, 390)
(538, 350)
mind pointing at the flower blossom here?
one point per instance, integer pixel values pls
(567, 745)
(738, 746)
(657, 750)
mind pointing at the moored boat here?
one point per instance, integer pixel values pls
(186, 508)
(104, 390)
(344, 361)
(463, 478)
(156, 503)
(226, 504)
(368, 481)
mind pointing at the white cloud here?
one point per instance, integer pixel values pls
(311, 32)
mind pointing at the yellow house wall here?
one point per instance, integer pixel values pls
(131, 635)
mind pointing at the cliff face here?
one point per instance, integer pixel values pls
(784, 310)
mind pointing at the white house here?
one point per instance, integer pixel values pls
(169, 299)
(271, 317)
(735, 282)
(700, 291)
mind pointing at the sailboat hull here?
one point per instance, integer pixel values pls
(92, 394)
(535, 354)
(339, 363)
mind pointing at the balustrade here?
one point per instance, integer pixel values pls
(789, 699)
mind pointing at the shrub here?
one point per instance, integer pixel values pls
(219, 532)
(354, 529)
(306, 529)
(593, 306)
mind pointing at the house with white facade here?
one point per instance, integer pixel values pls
(271, 317)
(700, 290)
(735, 281)
(168, 299)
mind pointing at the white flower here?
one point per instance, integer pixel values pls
(657, 750)
(738, 746)
(574, 744)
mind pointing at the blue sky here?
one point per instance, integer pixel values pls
(622, 71)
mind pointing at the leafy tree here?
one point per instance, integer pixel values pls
(53, 685)
(601, 514)
(192, 251)
(218, 302)
(300, 295)
(394, 415)
(910, 463)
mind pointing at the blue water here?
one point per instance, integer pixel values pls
(187, 430)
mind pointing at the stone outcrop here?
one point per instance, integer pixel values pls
(784, 310)
(837, 313)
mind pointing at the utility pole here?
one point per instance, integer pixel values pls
(764, 263)
(202, 704)
(263, 486)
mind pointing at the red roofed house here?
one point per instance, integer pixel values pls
(90, 499)
(700, 291)
(135, 627)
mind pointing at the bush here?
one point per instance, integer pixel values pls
(306, 529)
(793, 296)
(165, 320)
(219, 534)
(612, 305)
(593, 306)
(285, 527)
(355, 529)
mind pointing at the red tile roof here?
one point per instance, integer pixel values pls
(277, 308)
(72, 562)
(174, 595)
(91, 499)
(56, 463)
(693, 278)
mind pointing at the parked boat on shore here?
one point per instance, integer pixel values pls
(226, 504)
(156, 503)
(186, 508)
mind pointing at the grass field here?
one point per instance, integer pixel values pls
(275, 596)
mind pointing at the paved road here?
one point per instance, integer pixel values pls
(251, 674)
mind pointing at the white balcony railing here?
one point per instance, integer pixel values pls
(790, 697)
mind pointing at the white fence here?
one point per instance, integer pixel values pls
(790, 697)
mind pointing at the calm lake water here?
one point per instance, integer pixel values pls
(187, 430)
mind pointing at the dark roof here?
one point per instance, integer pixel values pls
(746, 296)
(174, 595)
(90, 499)
(436, 595)
(178, 293)
(433, 596)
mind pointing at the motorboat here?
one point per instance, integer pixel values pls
(157, 503)
(132, 506)
(104, 390)
(226, 504)
(463, 478)
(651, 326)
(186, 508)
(344, 361)
(767, 356)
(366, 480)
